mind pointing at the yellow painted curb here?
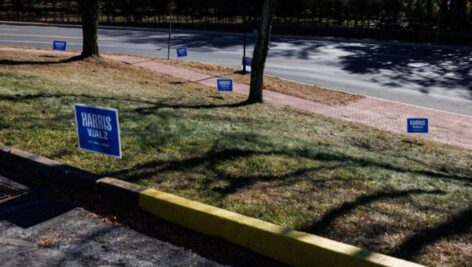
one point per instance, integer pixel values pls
(274, 241)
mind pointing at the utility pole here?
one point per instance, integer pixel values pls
(171, 7)
(438, 23)
(244, 36)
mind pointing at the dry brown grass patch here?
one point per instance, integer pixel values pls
(310, 92)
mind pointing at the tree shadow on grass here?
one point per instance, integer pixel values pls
(457, 224)
(156, 106)
(152, 108)
(236, 183)
(214, 156)
(7, 62)
(321, 225)
(140, 171)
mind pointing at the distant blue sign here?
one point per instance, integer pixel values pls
(417, 125)
(247, 61)
(225, 85)
(98, 129)
(59, 45)
(182, 52)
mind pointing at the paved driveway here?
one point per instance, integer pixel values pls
(38, 229)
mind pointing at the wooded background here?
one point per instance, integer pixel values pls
(421, 20)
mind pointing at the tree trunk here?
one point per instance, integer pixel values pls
(260, 51)
(429, 11)
(89, 15)
(444, 12)
(460, 14)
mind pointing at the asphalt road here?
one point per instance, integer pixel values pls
(438, 77)
(43, 226)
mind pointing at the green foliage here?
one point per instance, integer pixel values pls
(452, 15)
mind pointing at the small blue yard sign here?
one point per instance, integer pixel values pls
(417, 125)
(248, 62)
(182, 52)
(59, 45)
(98, 129)
(225, 85)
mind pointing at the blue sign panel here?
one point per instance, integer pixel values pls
(98, 129)
(182, 52)
(247, 61)
(59, 45)
(417, 125)
(225, 85)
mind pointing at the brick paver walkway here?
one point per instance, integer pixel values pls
(444, 127)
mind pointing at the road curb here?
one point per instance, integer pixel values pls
(274, 241)
(44, 169)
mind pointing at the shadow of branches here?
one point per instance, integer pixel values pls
(321, 225)
(215, 156)
(422, 66)
(152, 106)
(455, 225)
(7, 62)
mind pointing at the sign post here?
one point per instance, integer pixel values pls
(98, 129)
(417, 125)
(171, 7)
(244, 36)
(59, 45)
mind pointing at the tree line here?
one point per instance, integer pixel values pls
(427, 15)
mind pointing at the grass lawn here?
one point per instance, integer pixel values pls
(386, 192)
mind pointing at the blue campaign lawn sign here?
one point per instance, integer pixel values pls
(248, 62)
(59, 45)
(98, 129)
(225, 85)
(417, 125)
(182, 52)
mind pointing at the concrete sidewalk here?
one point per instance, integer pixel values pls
(444, 127)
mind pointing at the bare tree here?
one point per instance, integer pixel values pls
(460, 13)
(89, 15)
(260, 51)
